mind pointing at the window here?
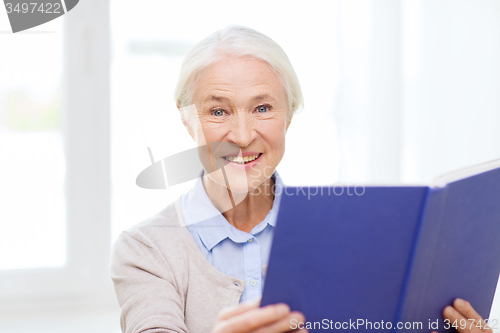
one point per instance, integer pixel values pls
(31, 151)
(54, 112)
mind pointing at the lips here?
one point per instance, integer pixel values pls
(246, 158)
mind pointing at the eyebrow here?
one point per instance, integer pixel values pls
(263, 96)
(222, 98)
(215, 98)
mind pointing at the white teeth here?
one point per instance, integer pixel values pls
(241, 159)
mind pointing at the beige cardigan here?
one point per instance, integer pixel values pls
(164, 283)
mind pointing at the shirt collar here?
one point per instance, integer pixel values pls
(212, 227)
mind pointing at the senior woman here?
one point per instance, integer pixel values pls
(237, 93)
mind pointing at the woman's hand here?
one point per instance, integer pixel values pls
(250, 318)
(465, 318)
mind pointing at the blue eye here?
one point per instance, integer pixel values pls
(218, 113)
(262, 109)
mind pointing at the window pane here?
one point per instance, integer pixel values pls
(32, 162)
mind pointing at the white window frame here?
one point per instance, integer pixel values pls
(84, 281)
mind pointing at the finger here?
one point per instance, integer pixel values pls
(254, 319)
(462, 324)
(288, 324)
(241, 308)
(455, 317)
(466, 309)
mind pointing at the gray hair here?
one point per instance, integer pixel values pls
(240, 41)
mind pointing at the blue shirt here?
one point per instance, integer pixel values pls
(231, 251)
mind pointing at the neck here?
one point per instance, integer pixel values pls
(251, 208)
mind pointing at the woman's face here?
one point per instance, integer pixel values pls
(240, 111)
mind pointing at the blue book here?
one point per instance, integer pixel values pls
(354, 258)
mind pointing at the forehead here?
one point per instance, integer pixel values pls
(238, 77)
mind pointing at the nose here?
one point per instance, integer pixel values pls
(242, 130)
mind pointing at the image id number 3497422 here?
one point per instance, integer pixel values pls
(32, 7)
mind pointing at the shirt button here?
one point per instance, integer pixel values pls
(253, 282)
(250, 240)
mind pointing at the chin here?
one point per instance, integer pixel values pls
(239, 183)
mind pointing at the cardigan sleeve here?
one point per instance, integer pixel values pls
(145, 286)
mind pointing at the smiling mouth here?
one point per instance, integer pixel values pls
(242, 159)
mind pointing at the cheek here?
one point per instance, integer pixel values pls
(212, 132)
(279, 149)
(275, 139)
(275, 132)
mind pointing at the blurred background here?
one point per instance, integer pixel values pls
(396, 92)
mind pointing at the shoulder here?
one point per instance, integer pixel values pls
(163, 226)
(161, 235)
(160, 274)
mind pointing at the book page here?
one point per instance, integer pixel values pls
(453, 176)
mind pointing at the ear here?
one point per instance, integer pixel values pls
(185, 122)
